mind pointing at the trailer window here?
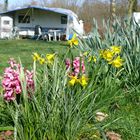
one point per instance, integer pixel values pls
(23, 19)
(6, 22)
(63, 19)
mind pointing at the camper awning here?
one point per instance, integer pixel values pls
(56, 10)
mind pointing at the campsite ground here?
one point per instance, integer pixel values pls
(123, 114)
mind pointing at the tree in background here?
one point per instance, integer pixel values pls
(121, 8)
(5, 5)
(34, 2)
(113, 8)
(1, 7)
(90, 10)
(44, 2)
(68, 4)
(132, 6)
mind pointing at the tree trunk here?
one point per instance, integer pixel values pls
(5, 5)
(113, 8)
(132, 6)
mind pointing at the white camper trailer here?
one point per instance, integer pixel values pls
(6, 27)
(54, 21)
(136, 16)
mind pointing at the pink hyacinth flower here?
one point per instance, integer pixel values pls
(76, 66)
(11, 81)
(29, 80)
(67, 63)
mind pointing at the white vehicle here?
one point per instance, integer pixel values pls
(136, 16)
(62, 22)
(6, 27)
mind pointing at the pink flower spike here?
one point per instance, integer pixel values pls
(76, 65)
(12, 62)
(67, 63)
(11, 81)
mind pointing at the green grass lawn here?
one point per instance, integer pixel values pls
(23, 50)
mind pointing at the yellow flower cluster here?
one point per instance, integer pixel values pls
(117, 62)
(73, 41)
(48, 59)
(90, 57)
(82, 81)
(112, 56)
(107, 54)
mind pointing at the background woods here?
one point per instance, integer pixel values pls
(99, 9)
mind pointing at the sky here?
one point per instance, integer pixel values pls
(18, 3)
(22, 2)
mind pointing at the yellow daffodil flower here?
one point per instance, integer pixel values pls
(107, 55)
(73, 41)
(116, 49)
(85, 54)
(83, 81)
(101, 53)
(36, 56)
(50, 58)
(41, 61)
(92, 58)
(117, 62)
(73, 80)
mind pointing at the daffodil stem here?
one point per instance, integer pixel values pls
(16, 121)
(71, 54)
(108, 70)
(80, 65)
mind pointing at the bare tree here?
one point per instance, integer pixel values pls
(113, 8)
(90, 10)
(132, 6)
(121, 8)
(68, 4)
(1, 7)
(44, 2)
(5, 5)
(34, 2)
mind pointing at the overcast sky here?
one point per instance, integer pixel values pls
(22, 2)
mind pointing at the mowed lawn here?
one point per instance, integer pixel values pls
(23, 50)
